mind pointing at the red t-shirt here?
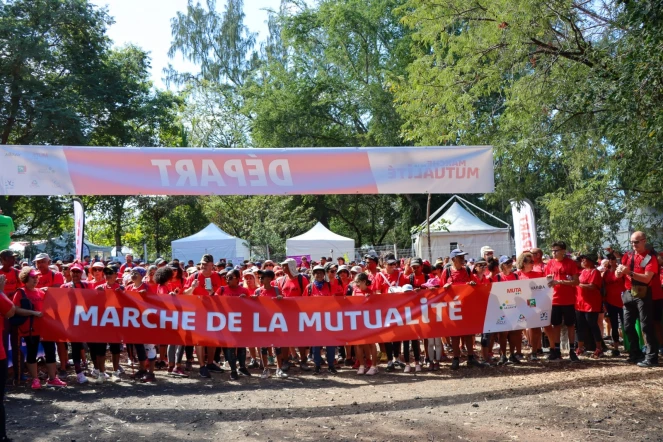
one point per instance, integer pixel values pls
(36, 297)
(5, 306)
(394, 278)
(613, 287)
(531, 275)
(482, 279)
(163, 289)
(143, 286)
(510, 277)
(457, 277)
(81, 285)
(115, 286)
(540, 268)
(589, 300)
(232, 291)
(336, 287)
(126, 265)
(325, 290)
(563, 270)
(656, 289)
(650, 266)
(290, 287)
(356, 291)
(200, 290)
(268, 292)
(417, 280)
(175, 284)
(11, 280)
(49, 279)
(379, 282)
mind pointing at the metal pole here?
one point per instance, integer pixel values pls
(430, 252)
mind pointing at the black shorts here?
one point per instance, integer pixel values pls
(658, 310)
(563, 314)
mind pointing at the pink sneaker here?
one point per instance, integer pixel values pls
(56, 383)
(36, 384)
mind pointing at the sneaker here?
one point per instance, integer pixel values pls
(443, 358)
(148, 377)
(62, 374)
(554, 356)
(271, 360)
(372, 371)
(356, 365)
(635, 358)
(455, 363)
(94, 373)
(436, 366)
(316, 370)
(304, 367)
(80, 377)
(244, 371)
(265, 374)
(647, 363)
(417, 368)
(473, 362)
(361, 370)
(139, 374)
(56, 383)
(514, 360)
(503, 360)
(331, 370)
(598, 353)
(533, 357)
(115, 376)
(179, 373)
(254, 363)
(399, 364)
(120, 369)
(285, 366)
(390, 367)
(36, 384)
(614, 353)
(580, 351)
(214, 368)
(407, 369)
(573, 357)
(233, 375)
(188, 366)
(281, 374)
(204, 372)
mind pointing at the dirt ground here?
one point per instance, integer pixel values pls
(594, 400)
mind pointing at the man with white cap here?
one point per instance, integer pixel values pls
(293, 284)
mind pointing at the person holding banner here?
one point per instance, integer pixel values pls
(366, 352)
(589, 304)
(77, 282)
(293, 284)
(238, 354)
(7, 310)
(562, 273)
(321, 287)
(513, 337)
(526, 270)
(460, 274)
(30, 329)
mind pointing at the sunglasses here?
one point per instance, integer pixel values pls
(636, 242)
(76, 271)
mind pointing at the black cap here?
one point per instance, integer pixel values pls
(7, 253)
(372, 257)
(267, 273)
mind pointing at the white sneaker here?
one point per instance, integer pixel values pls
(407, 369)
(361, 370)
(120, 370)
(102, 377)
(81, 378)
(417, 368)
(371, 371)
(94, 373)
(265, 374)
(115, 376)
(281, 374)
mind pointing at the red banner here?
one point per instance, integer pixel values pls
(96, 316)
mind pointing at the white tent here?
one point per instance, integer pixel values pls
(211, 240)
(318, 242)
(458, 228)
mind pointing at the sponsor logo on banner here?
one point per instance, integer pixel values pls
(34, 184)
(522, 318)
(531, 302)
(22, 169)
(501, 320)
(9, 184)
(12, 154)
(507, 306)
(544, 316)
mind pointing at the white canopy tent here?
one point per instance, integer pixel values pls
(211, 240)
(458, 227)
(318, 242)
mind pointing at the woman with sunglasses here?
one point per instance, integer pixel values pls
(97, 274)
(110, 274)
(614, 286)
(249, 282)
(368, 352)
(77, 352)
(527, 270)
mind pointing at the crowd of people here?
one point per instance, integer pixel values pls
(596, 297)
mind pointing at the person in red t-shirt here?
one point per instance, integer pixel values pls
(32, 338)
(96, 275)
(460, 274)
(537, 256)
(589, 303)
(128, 264)
(235, 354)
(7, 310)
(331, 270)
(293, 284)
(321, 287)
(266, 289)
(562, 272)
(526, 270)
(77, 351)
(367, 352)
(657, 298)
(305, 263)
(641, 270)
(614, 287)
(8, 259)
(513, 337)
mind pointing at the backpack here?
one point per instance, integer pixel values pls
(26, 304)
(310, 288)
(467, 269)
(276, 289)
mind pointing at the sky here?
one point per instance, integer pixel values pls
(146, 23)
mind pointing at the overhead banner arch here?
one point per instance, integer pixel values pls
(58, 170)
